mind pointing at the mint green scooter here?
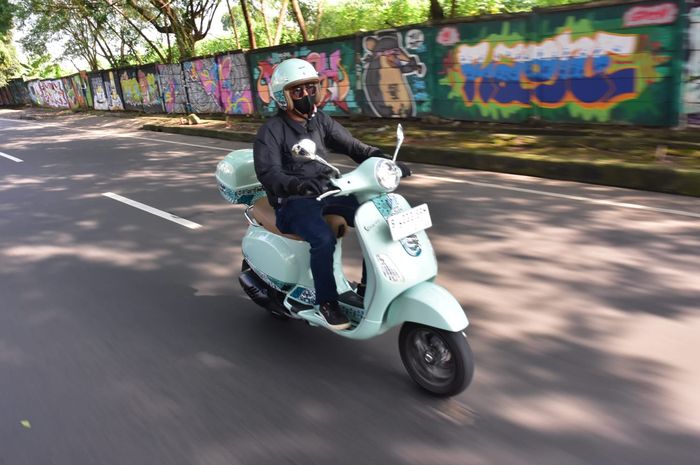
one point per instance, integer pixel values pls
(400, 261)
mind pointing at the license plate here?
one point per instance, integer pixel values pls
(409, 222)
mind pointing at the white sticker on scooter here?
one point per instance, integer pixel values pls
(389, 269)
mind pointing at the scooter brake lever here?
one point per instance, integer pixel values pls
(327, 194)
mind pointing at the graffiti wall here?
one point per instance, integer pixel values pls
(99, 95)
(202, 81)
(611, 64)
(395, 73)
(140, 89)
(235, 93)
(19, 93)
(75, 91)
(691, 91)
(113, 90)
(151, 99)
(130, 89)
(335, 63)
(172, 88)
(48, 93)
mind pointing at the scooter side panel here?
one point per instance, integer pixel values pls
(428, 304)
(284, 260)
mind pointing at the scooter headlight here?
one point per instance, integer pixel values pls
(388, 174)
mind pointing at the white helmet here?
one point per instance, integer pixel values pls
(290, 73)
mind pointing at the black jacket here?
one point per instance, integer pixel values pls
(275, 167)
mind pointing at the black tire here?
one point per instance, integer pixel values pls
(439, 361)
(276, 307)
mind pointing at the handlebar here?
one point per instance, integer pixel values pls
(328, 194)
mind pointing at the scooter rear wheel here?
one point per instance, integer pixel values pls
(439, 361)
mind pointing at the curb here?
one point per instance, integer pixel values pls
(627, 175)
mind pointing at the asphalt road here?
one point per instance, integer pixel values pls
(125, 338)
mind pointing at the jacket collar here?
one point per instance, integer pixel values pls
(298, 127)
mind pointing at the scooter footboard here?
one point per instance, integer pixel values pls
(428, 304)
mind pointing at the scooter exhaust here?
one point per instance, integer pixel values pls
(255, 288)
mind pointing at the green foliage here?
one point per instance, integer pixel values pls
(214, 46)
(5, 17)
(9, 66)
(43, 66)
(349, 17)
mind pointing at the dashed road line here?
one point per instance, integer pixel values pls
(10, 157)
(154, 211)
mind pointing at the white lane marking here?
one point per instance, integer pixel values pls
(225, 149)
(10, 157)
(154, 211)
(610, 203)
(175, 142)
(18, 120)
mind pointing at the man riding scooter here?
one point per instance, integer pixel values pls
(292, 185)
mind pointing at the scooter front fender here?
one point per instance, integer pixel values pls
(429, 304)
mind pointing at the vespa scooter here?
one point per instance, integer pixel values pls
(400, 262)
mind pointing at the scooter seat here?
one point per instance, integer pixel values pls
(264, 214)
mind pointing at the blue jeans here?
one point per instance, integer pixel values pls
(304, 217)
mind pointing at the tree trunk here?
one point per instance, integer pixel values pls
(280, 21)
(300, 19)
(265, 24)
(436, 12)
(453, 9)
(248, 25)
(319, 16)
(233, 25)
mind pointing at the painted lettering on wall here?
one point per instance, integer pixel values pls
(666, 13)
(595, 71)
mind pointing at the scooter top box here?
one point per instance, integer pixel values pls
(235, 175)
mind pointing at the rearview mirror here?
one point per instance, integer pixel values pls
(399, 139)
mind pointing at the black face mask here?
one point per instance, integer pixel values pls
(304, 105)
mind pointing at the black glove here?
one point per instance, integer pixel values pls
(307, 187)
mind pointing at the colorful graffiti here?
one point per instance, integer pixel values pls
(172, 88)
(387, 65)
(48, 93)
(147, 77)
(331, 61)
(112, 90)
(97, 87)
(582, 69)
(202, 76)
(130, 89)
(610, 63)
(235, 94)
(691, 91)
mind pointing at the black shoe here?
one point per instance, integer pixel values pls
(335, 318)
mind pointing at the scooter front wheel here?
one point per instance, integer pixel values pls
(439, 361)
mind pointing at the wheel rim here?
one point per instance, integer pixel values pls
(430, 358)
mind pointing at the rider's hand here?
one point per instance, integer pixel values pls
(405, 170)
(308, 187)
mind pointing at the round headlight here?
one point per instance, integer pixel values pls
(388, 174)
